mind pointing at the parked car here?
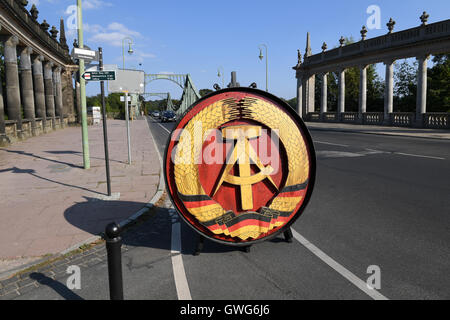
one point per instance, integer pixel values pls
(168, 116)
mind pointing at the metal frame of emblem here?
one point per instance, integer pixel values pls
(311, 178)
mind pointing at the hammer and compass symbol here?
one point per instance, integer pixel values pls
(244, 155)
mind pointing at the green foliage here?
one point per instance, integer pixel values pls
(204, 92)
(439, 84)
(405, 90)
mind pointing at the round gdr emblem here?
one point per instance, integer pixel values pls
(240, 166)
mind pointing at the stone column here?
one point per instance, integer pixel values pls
(2, 114)
(304, 98)
(389, 91)
(341, 97)
(299, 96)
(39, 90)
(13, 103)
(26, 87)
(324, 95)
(58, 95)
(49, 95)
(362, 92)
(310, 92)
(421, 104)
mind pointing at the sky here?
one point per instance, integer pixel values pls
(199, 37)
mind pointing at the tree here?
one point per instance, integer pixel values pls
(204, 92)
(439, 84)
(405, 89)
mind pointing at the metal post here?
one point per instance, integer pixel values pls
(127, 118)
(113, 248)
(105, 127)
(84, 128)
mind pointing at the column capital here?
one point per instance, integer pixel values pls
(12, 40)
(363, 66)
(389, 61)
(38, 57)
(26, 50)
(49, 64)
(425, 56)
(57, 69)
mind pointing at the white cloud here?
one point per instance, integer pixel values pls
(113, 34)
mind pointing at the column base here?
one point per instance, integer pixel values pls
(4, 140)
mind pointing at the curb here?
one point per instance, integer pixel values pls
(159, 193)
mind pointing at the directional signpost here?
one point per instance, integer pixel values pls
(99, 76)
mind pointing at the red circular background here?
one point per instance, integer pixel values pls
(261, 191)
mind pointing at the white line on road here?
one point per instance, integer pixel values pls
(419, 156)
(179, 273)
(332, 144)
(163, 127)
(374, 294)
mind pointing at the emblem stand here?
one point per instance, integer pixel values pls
(201, 241)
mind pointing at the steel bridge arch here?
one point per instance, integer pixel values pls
(190, 93)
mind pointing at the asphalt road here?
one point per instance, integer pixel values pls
(379, 201)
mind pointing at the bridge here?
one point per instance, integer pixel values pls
(166, 96)
(184, 81)
(419, 42)
(39, 90)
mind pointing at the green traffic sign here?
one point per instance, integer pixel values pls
(99, 76)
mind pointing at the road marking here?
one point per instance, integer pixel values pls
(179, 273)
(418, 156)
(362, 285)
(337, 154)
(163, 127)
(332, 144)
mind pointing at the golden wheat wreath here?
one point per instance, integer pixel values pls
(211, 214)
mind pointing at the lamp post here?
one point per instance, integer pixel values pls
(84, 127)
(267, 64)
(130, 50)
(220, 75)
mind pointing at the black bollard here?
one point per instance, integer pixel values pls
(113, 247)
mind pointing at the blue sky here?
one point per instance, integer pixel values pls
(198, 36)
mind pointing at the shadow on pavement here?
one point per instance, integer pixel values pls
(32, 172)
(42, 158)
(153, 232)
(81, 154)
(58, 287)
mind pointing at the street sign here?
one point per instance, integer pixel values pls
(240, 166)
(99, 76)
(89, 55)
(132, 81)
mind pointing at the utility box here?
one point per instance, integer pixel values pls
(96, 114)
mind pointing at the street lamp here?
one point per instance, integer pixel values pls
(267, 69)
(130, 49)
(221, 74)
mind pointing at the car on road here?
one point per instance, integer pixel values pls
(155, 114)
(168, 116)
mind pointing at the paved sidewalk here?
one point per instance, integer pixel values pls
(49, 203)
(381, 130)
